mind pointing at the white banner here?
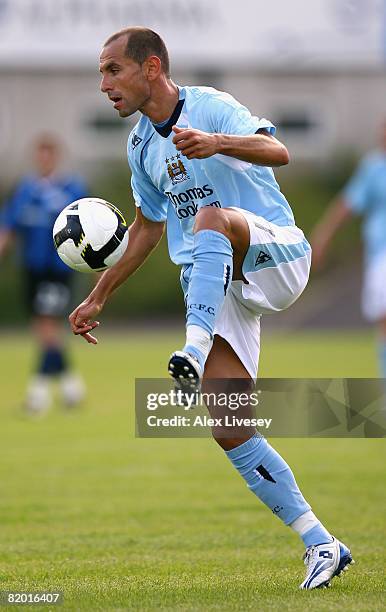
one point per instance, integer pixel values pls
(210, 34)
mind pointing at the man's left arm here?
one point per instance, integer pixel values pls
(261, 148)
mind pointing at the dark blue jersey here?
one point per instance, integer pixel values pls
(31, 213)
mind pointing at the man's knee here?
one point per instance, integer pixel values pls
(228, 442)
(212, 218)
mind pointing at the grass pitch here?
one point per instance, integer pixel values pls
(119, 523)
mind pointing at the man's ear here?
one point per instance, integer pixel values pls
(152, 67)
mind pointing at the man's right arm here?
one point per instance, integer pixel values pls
(334, 218)
(144, 237)
(6, 239)
(354, 200)
(10, 215)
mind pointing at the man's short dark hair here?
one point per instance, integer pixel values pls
(141, 43)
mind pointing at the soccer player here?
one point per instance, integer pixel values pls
(201, 164)
(365, 194)
(29, 215)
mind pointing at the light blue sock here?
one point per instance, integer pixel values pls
(382, 358)
(209, 282)
(311, 530)
(269, 477)
(316, 535)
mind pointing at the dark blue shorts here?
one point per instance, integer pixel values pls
(48, 293)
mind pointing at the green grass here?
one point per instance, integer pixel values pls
(123, 523)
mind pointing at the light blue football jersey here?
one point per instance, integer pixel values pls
(365, 194)
(169, 187)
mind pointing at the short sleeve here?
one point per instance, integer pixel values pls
(357, 191)
(152, 202)
(231, 117)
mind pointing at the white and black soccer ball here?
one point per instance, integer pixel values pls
(90, 235)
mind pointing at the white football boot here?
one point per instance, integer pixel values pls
(324, 562)
(73, 389)
(38, 398)
(186, 371)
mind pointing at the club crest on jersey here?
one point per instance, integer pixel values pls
(176, 169)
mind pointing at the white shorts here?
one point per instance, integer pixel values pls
(374, 290)
(277, 267)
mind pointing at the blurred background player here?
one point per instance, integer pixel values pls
(364, 194)
(29, 215)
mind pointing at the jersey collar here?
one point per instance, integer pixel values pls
(164, 129)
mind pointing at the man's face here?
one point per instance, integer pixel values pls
(122, 78)
(46, 158)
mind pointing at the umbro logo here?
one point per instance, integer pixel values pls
(135, 141)
(262, 258)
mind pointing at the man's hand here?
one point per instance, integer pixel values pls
(82, 319)
(195, 144)
(144, 237)
(261, 148)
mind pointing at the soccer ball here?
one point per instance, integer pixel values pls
(90, 235)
